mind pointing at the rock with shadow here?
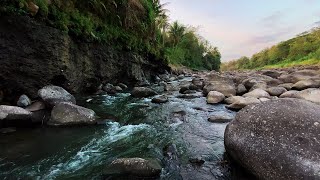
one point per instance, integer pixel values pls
(277, 139)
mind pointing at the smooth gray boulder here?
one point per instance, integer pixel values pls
(140, 92)
(65, 114)
(23, 101)
(277, 139)
(134, 166)
(54, 95)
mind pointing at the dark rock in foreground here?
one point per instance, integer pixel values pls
(134, 166)
(278, 139)
(65, 114)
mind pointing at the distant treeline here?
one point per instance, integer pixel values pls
(301, 50)
(141, 26)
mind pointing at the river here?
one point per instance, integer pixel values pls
(131, 128)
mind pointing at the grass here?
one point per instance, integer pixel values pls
(300, 62)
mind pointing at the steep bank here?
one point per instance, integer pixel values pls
(33, 55)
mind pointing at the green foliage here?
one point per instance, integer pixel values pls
(301, 50)
(132, 25)
(185, 47)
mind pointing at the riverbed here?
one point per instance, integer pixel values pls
(131, 127)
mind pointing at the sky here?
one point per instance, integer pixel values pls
(244, 27)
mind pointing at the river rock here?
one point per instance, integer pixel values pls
(305, 84)
(36, 106)
(233, 99)
(243, 102)
(65, 114)
(257, 93)
(215, 97)
(276, 91)
(23, 101)
(298, 76)
(134, 166)
(198, 82)
(123, 86)
(290, 94)
(183, 89)
(109, 88)
(241, 89)
(190, 91)
(221, 84)
(220, 118)
(288, 86)
(312, 95)
(160, 99)
(261, 85)
(54, 95)
(277, 139)
(272, 73)
(14, 113)
(118, 88)
(140, 92)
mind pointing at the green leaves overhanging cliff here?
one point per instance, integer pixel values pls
(134, 25)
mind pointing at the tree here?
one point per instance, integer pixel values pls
(176, 32)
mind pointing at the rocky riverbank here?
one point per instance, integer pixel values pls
(273, 136)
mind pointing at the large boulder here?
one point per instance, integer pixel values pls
(277, 139)
(134, 167)
(257, 93)
(221, 84)
(53, 95)
(215, 97)
(65, 114)
(140, 92)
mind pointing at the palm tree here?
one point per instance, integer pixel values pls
(162, 25)
(176, 31)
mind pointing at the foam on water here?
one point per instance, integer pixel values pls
(91, 152)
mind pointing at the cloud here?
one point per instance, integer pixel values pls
(273, 20)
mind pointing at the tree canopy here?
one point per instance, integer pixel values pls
(132, 25)
(303, 49)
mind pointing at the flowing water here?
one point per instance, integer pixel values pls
(132, 128)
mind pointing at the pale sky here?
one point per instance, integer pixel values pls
(244, 27)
